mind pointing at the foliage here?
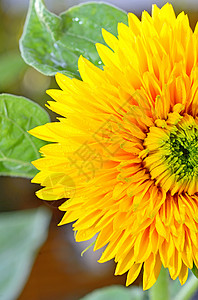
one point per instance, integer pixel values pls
(116, 293)
(17, 147)
(21, 235)
(50, 44)
(53, 43)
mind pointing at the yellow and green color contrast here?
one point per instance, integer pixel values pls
(125, 147)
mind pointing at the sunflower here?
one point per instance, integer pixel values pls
(125, 149)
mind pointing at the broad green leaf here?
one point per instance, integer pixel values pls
(17, 147)
(53, 43)
(11, 66)
(21, 235)
(115, 292)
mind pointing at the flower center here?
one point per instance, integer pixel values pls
(172, 154)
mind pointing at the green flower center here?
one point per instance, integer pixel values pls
(183, 152)
(172, 155)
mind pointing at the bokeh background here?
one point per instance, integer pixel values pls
(59, 272)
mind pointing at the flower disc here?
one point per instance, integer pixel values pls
(173, 155)
(125, 149)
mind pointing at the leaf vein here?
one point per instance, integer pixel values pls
(25, 133)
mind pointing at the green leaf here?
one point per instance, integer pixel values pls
(175, 287)
(11, 66)
(17, 147)
(53, 43)
(195, 270)
(186, 291)
(21, 235)
(115, 292)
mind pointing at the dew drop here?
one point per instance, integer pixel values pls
(75, 19)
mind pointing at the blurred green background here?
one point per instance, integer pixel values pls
(59, 271)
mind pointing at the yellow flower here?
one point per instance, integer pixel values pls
(126, 149)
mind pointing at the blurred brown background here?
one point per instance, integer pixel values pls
(59, 273)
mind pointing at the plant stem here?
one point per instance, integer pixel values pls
(188, 290)
(160, 290)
